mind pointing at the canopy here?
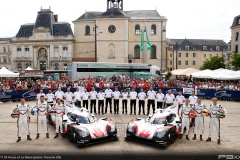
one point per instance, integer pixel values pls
(28, 69)
(176, 71)
(184, 71)
(4, 72)
(224, 74)
(202, 74)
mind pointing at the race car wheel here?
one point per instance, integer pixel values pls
(173, 136)
(70, 135)
(50, 120)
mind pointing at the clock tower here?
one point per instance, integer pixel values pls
(115, 4)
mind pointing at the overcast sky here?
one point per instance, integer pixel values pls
(198, 19)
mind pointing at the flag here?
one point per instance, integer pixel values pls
(149, 47)
(89, 83)
(141, 40)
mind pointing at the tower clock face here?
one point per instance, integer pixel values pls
(111, 29)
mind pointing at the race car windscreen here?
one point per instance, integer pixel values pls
(158, 120)
(83, 120)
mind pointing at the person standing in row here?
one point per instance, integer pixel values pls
(23, 110)
(185, 109)
(133, 96)
(124, 100)
(193, 101)
(116, 95)
(68, 96)
(180, 99)
(151, 94)
(39, 95)
(59, 94)
(160, 99)
(100, 97)
(169, 98)
(141, 101)
(108, 94)
(93, 97)
(85, 96)
(49, 97)
(77, 97)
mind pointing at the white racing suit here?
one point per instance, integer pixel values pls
(199, 119)
(22, 120)
(185, 118)
(41, 116)
(60, 111)
(214, 120)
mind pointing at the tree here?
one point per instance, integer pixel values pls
(236, 61)
(168, 75)
(214, 63)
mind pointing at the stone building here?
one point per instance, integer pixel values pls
(5, 53)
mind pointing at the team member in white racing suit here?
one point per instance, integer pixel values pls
(185, 109)
(23, 119)
(42, 108)
(60, 111)
(199, 120)
(214, 120)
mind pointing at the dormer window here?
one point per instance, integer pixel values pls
(186, 48)
(204, 48)
(238, 21)
(170, 47)
(217, 48)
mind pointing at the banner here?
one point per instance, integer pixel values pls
(187, 90)
(149, 47)
(141, 40)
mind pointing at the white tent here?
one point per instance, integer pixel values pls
(4, 72)
(176, 71)
(225, 74)
(28, 69)
(202, 74)
(184, 72)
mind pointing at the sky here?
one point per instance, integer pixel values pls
(192, 19)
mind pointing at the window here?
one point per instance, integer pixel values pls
(194, 54)
(27, 54)
(19, 66)
(65, 66)
(210, 55)
(170, 47)
(204, 48)
(65, 52)
(4, 59)
(186, 48)
(153, 29)
(170, 62)
(179, 54)
(205, 56)
(237, 35)
(179, 63)
(193, 63)
(137, 52)
(56, 66)
(137, 29)
(19, 52)
(26, 65)
(56, 51)
(236, 48)
(171, 55)
(217, 48)
(4, 49)
(238, 21)
(186, 54)
(186, 63)
(87, 30)
(153, 52)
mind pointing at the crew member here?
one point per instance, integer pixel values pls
(160, 99)
(85, 96)
(141, 101)
(199, 120)
(59, 113)
(133, 96)
(214, 120)
(24, 118)
(116, 94)
(59, 94)
(100, 97)
(169, 98)
(108, 93)
(193, 99)
(124, 96)
(180, 99)
(151, 94)
(77, 97)
(185, 109)
(39, 95)
(42, 108)
(93, 97)
(49, 97)
(68, 96)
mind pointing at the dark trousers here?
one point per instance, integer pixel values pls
(78, 103)
(93, 104)
(50, 103)
(108, 101)
(192, 119)
(85, 104)
(141, 104)
(124, 105)
(151, 102)
(159, 104)
(133, 105)
(116, 105)
(100, 105)
(169, 104)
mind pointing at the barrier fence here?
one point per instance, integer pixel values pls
(204, 93)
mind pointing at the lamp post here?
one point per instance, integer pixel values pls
(95, 29)
(177, 55)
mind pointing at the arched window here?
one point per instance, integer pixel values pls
(56, 66)
(153, 52)
(137, 52)
(19, 66)
(153, 29)
(26, 65)
(137, 29)
(87, 30)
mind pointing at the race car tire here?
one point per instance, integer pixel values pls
(50, 120)
(173, 136)
(70, 135)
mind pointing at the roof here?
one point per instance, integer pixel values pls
(236, 21)
(143, 14)
(113, 13)
(6, 39)
(89, 16)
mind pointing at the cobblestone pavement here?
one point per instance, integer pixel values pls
(121, 149)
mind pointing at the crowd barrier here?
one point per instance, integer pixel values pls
(204, 93)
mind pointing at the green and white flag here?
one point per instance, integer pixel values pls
(141, 40)
(149, 47)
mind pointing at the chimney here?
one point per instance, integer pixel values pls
(56, 17)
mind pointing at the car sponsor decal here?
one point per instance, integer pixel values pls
(97, 132)
(145, 133)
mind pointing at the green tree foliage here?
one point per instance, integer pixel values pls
(213, 63)
(236, 61)
(168, 75)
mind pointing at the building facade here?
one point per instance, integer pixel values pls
(115, 35)
(235, 37)
(44, 45)
(5, 53)
(191, 53)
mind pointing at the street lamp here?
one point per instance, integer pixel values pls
(95, 29)
(177, 55)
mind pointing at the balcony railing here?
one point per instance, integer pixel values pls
(61, 59)
(22, 59)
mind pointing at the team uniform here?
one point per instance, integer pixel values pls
(77, 98)
(124, 102)
(193, 100)
(93, 96)
(85, 96)
(68, 96)
(160, 98)
(49, 98)
(151, 100)
(199, 120)
(60, 111)
(116, 95)
(185, 118)
(59, 94)
(169, 99)
(133, 96)
(39, 95)
(101, 97)
(180, 99)
(108, 93)
(141, 102)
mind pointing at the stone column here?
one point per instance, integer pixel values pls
(48, 58)
(35, 55)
